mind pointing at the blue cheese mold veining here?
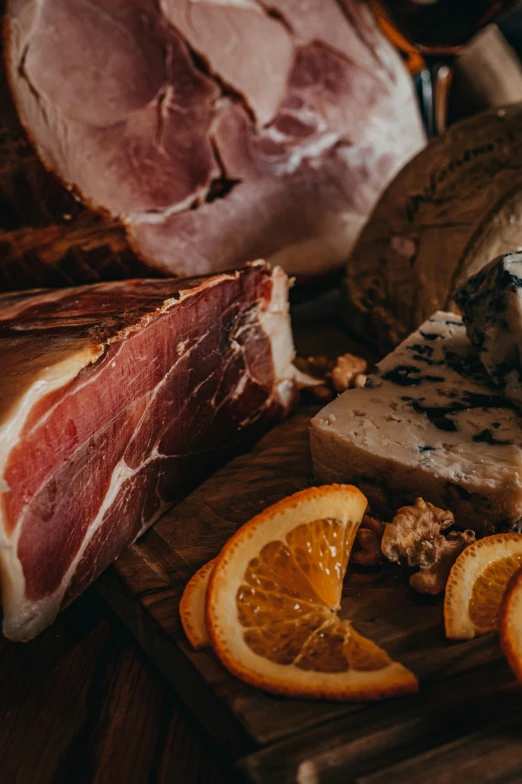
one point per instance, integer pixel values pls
(491, 305)
(429, 423)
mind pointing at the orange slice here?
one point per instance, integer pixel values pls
(274, 596)
(477, 584)
(192, 607)
(510, 625)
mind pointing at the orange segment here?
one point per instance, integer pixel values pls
(321, 552)
(477, 584)
(257, 607)
(192, 607)
(510, 624)
(273, 598)
(282, 642)
(363, 654)
(488, 591)
(275, 570)
(337, 647)
(323, 651)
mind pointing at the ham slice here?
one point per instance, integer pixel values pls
(214, 132)
(47, 238)
(115, 399)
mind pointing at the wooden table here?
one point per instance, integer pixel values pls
(83, 704)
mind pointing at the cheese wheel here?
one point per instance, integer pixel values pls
(452, 209)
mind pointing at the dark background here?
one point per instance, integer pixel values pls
(83, 704)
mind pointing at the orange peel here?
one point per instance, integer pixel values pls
(192, 607)
(477, 583)
(510, 626)
(273, 600)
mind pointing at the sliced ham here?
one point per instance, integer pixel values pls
(264, 128)
(115, 399)
(47, 237)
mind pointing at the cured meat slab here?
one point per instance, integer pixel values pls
(115, 400)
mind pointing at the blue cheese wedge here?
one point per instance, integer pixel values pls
(491, 305)
(429, 423)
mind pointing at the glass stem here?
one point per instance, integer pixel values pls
(426, 96)
(441, 75)
(435, 86)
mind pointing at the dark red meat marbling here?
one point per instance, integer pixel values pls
(115, 399)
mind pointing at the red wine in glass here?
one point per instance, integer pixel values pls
(438, 29)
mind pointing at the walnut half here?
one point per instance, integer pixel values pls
(324, 377)
(367, 545)
(415, 535)
(347, 371)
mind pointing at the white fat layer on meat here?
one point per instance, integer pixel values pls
(431, 424)
(31, 618)
(18, 305)
(320, 144)
(275, 322)
(25, 619)
(35, 616)
(284, 392)
(48, 380)
(51, 379)
(61, 369)
(248, 5)
(158, 216)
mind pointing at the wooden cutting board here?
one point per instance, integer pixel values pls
(276, 739)
(467, 698)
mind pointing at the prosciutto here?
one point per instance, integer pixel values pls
(215, 131)
(115, 400)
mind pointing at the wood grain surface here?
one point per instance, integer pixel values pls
(468, 693)
(464, 685)
(83, 704)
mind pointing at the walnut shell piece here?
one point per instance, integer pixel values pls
(346, 370)
(433, 579)
(323, 377)
(367, 546)
(415, 535)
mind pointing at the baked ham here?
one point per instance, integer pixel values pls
(115, 400)
(47, 237)
(214, 131)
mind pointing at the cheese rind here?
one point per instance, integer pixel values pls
(429, 423)
(491, 305)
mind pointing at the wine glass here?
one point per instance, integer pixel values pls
(438, 29)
